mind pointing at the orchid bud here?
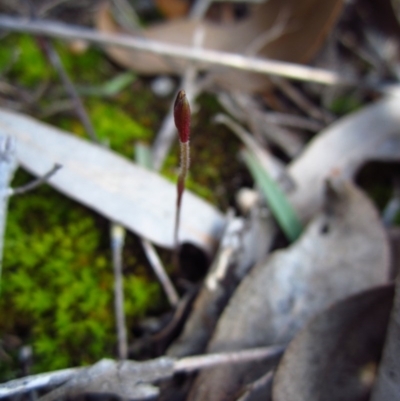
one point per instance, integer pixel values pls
(182, 116)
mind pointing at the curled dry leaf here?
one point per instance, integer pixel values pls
(335, 357)
(266, 32)
(343, 251)
(387, 386)
(135, 197)
(372, 133)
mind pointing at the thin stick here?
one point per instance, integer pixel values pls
(302, 101)
(70, 88)
(35, 183)
(152, 370)
(192, 363)
(33, 382)
(117, 243)
(159, 270)
(143, 158)
(236, 61)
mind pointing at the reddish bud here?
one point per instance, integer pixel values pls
(182, 116)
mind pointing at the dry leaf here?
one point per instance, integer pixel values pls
(387, 386)
(135, 197)
(335, 356)
(372, 133)
(299, 36)
(173, 8)
(343, 251)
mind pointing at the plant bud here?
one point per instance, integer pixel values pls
(182, 116)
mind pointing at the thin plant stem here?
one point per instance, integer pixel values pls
(182, 123)
(185, 163)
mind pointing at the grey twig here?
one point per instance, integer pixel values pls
(127, 379)
(117, 243)
(192, 363)
(34, 382)
(159, 270)
(35, 183)
(70, 88)
(268, 161)
(144, 158)
(236, 61)
(301, 100)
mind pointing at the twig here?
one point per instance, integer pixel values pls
(254, 116)
(70, 88)
(270, 163)
(35, 183)
(117, 243)
(192, 363)
(291, 120)
(236, 61)
(111, 377)
(159, 270)
(143, 158)
(244, 243)
(29, 383)
(301, 101)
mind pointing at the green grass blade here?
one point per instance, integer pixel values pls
(276, 199)
(110, 88)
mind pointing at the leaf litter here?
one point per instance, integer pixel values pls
(336, 356)
(342, 251)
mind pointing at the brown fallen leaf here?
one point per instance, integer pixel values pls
(301, 34)
(117, 188)
(173, 8)
(343, 251)
(335, 357)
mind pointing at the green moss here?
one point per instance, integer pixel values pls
(57, 284)
(345, 104)
(31, 67)
(113, 124)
